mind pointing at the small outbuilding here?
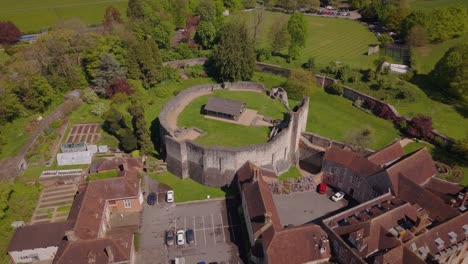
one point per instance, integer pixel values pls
(224, 108)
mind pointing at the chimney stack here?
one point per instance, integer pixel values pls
(109, 253)
(71, 236)
(256, 174)
(268, 224)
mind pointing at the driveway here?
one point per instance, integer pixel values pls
(303, 207)
(216, 226)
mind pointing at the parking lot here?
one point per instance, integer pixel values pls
(303, 207)
(217, 232)
(216, 225)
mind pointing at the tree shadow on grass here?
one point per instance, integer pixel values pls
(426, 84)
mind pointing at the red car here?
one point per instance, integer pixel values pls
(322, 188)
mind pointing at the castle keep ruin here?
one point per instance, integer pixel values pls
(217, 165)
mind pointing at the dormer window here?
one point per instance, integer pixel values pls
(453, 237)
(465, 229)
(440, 243)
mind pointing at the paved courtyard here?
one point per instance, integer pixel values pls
(303, 207)
(215, 223)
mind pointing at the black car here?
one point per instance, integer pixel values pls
(190, 236)
(170, 237)
(151, 200)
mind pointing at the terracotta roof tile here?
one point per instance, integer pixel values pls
(83, 251)
(347, 158)
(296, 245)
(418, 167)
(98, 192)
(39, 236)
(387, 154)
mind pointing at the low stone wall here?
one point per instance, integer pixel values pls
(217, 165)
(177, 64)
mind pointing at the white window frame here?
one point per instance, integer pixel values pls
(127, 203)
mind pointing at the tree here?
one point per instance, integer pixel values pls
(5, 191)
(109, 68)
(259, 17)
(385, 39)
(299, 83)
(38, 96)
(128, 141)
(309, 4)
(113, 121)
(206, 34)
(9, 33)
(10, 107)
(111, 17)
(234, 58)
(289, 5)
(280, 37)
(142, 132)
(232, 4)
(450, 74)
(297, 28)
(446, 23)
(420, 126)
(461, 148)
(248, 4)
(180, 12)
(415, 18)
(309, 64)
(417, 36)
(118, 85)
(209, 10)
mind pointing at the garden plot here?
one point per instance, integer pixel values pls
(54, 204)
(84, 133)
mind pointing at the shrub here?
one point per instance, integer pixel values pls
(119, 85)
(170, 73)
(9, 33)
(98, 109)
(263, 54)
(420, 126)
(195, 71)
(334, 88)
(309, 64)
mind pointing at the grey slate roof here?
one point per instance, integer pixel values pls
(225, 106)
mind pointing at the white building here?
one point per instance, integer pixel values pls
(74, 158)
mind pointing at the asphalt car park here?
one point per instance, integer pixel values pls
(217, 232)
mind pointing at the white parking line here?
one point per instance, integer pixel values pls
(204, 232)
(222, 226)
(214, 233)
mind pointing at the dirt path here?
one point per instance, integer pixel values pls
(172, 116)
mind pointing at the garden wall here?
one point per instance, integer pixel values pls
(217, 165)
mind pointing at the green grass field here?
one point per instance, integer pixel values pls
(328, 40)
(102, 175)
(187, 190)
(431, 4)
(227, 134)
(292, 173)
(31, 15)
(425, 58)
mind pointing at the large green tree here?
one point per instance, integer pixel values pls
(140, 128)
(451, 73)
(279, 35)
(297, 28)
(38, 96)
(234, 58)
(206, 34)
(300, 83)
(109, 69)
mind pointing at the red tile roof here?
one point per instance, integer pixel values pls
(98, 192)
(387, 154)
(347, 158)
(39, 236)
(297, 245)
(83, 251)
(417, 167)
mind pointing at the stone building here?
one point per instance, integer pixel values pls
(366, 177)
(271, 242)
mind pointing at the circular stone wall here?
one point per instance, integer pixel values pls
(217, 165)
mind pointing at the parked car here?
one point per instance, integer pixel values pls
(190, 236)
(151, 199)
(338, 196)
(170, 196)
(322, 188)
(180, 237)
(170, 237)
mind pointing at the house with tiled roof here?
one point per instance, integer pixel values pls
(366, 177)
(86, 236)
(271, 242)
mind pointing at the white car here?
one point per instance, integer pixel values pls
(170, 196)
(180, 237)
(338, 196)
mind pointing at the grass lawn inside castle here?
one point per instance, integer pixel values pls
(228, 134)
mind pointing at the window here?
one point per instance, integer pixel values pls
(375, 193)
(127, 204)
(23, 257)
(356, 180)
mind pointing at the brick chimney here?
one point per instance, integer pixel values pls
(256, 174)
(465, 197)
(71, 236)
(109, 253)
(268, 223)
